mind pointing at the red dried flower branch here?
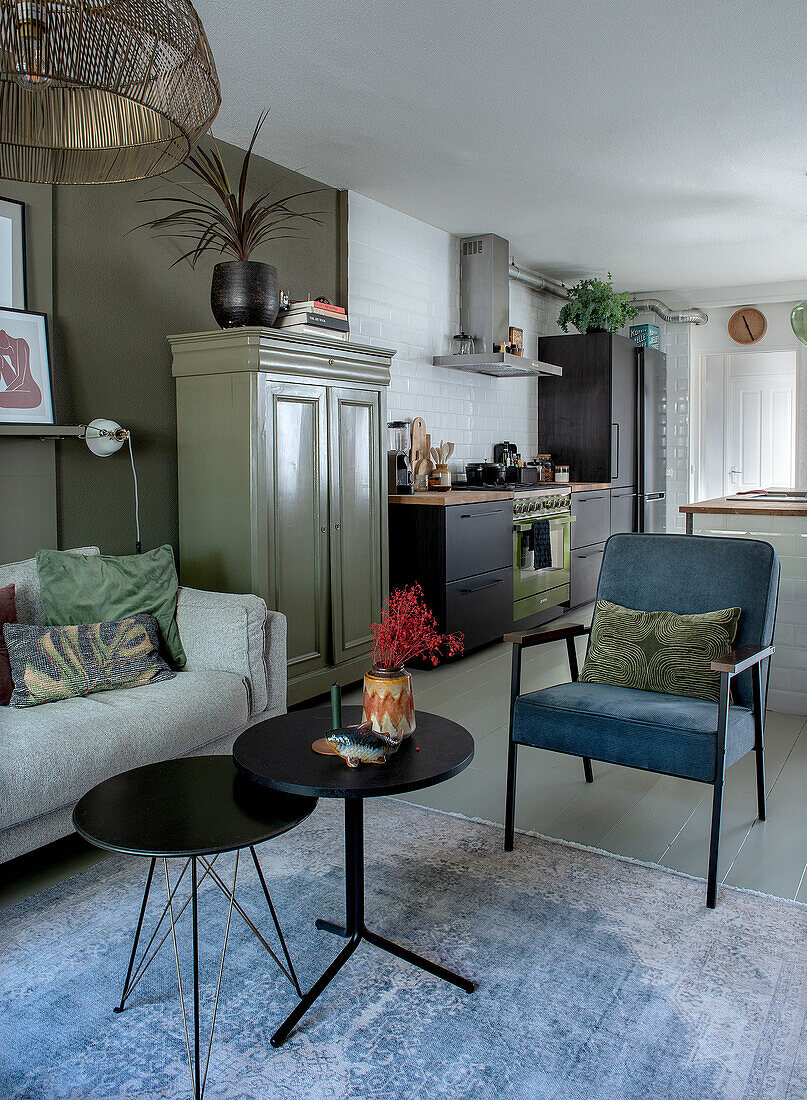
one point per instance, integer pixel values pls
(408, 629)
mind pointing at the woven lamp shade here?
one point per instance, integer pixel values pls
(97, 92)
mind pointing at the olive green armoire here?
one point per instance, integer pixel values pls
(282, 447)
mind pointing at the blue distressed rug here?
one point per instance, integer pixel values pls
(598, 978)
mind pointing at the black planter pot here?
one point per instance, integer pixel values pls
(244, 292)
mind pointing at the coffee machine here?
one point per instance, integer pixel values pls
(399, 468)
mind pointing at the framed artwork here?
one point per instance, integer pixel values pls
(25, 388)
(12, 254)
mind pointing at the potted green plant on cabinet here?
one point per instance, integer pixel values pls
(219, 219)
(594, 306)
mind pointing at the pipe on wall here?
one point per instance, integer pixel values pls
(545, 285)
(692, 316)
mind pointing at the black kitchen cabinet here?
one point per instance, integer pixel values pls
(462, 556)
(587, 417)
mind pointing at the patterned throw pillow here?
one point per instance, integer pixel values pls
(659, 650)
(59, 662)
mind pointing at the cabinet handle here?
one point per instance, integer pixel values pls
(479, 587)
(614, 451)
(323, 528)
(336, 527)
(475, 515)
(593, 554)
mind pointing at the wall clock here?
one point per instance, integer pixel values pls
(747, 325)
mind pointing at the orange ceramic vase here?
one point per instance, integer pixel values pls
(388, 703)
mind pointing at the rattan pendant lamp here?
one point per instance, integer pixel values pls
(101, 91)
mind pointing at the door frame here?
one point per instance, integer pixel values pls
(697, 448)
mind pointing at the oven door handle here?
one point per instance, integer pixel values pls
(553, 521)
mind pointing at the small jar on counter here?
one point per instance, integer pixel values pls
(546, 471)
(562, 474)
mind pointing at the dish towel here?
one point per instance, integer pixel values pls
(542, 544)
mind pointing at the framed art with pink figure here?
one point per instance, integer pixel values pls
(25, 388)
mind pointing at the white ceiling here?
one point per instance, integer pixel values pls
(665, 143)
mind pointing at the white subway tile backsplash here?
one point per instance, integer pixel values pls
(403, 288)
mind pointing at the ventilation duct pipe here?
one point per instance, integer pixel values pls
(671, 316)
(537, 282)
(545, 285)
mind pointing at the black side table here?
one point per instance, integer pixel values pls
(278, 754)
(193, 809)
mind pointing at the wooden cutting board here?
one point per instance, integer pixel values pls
(419, 449)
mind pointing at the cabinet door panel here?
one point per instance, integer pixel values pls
(479, 538)
(586, 565)
(355, 501)
(623, 412)
(592, 517)
(298, 520)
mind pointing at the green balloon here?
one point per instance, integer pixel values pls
(798, 321)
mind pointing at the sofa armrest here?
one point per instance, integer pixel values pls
(236, 633)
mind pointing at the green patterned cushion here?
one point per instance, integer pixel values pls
(59, 662)
(659, 650)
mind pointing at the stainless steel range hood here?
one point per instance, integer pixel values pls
(485, 312)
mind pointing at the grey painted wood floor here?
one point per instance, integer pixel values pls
(633, 813)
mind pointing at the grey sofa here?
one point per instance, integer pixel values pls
(52, 754)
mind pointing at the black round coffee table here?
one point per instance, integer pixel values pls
(194, 809)
(278, 754)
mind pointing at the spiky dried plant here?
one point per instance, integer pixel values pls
(226, 224)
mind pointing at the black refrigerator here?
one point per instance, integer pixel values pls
(652, 440)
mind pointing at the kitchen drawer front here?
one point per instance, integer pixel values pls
(586, 564)
(481, 606)
(479, 538)
(592, 517)
(623, 511)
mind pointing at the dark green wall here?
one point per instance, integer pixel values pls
(116, 298)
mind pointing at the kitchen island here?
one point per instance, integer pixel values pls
(782, 523)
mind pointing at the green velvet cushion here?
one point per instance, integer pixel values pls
(659, 650)
(61, 662)
(78, 588)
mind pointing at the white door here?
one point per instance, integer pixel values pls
(760, 437)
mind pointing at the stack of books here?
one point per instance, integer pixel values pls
(315, 319)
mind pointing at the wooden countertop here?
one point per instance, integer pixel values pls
(585, 486)
(454, 496)
(722, 506)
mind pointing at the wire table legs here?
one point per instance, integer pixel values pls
(355, 929)
(172, 909)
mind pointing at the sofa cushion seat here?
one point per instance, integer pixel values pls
(672, 734)
(53, 754)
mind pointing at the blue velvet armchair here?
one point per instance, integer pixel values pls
(672, 734)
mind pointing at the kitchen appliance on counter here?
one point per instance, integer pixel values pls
(542, 522)
(400, 479)
(494, 475)
(521, 475)
(505, 453)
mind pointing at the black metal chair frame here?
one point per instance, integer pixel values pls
(739, 660)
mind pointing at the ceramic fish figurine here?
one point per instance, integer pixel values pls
(362, 745)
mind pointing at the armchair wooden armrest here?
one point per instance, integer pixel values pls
(541, 637)
(740, 659)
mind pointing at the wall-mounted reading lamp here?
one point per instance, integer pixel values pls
(104, 438)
